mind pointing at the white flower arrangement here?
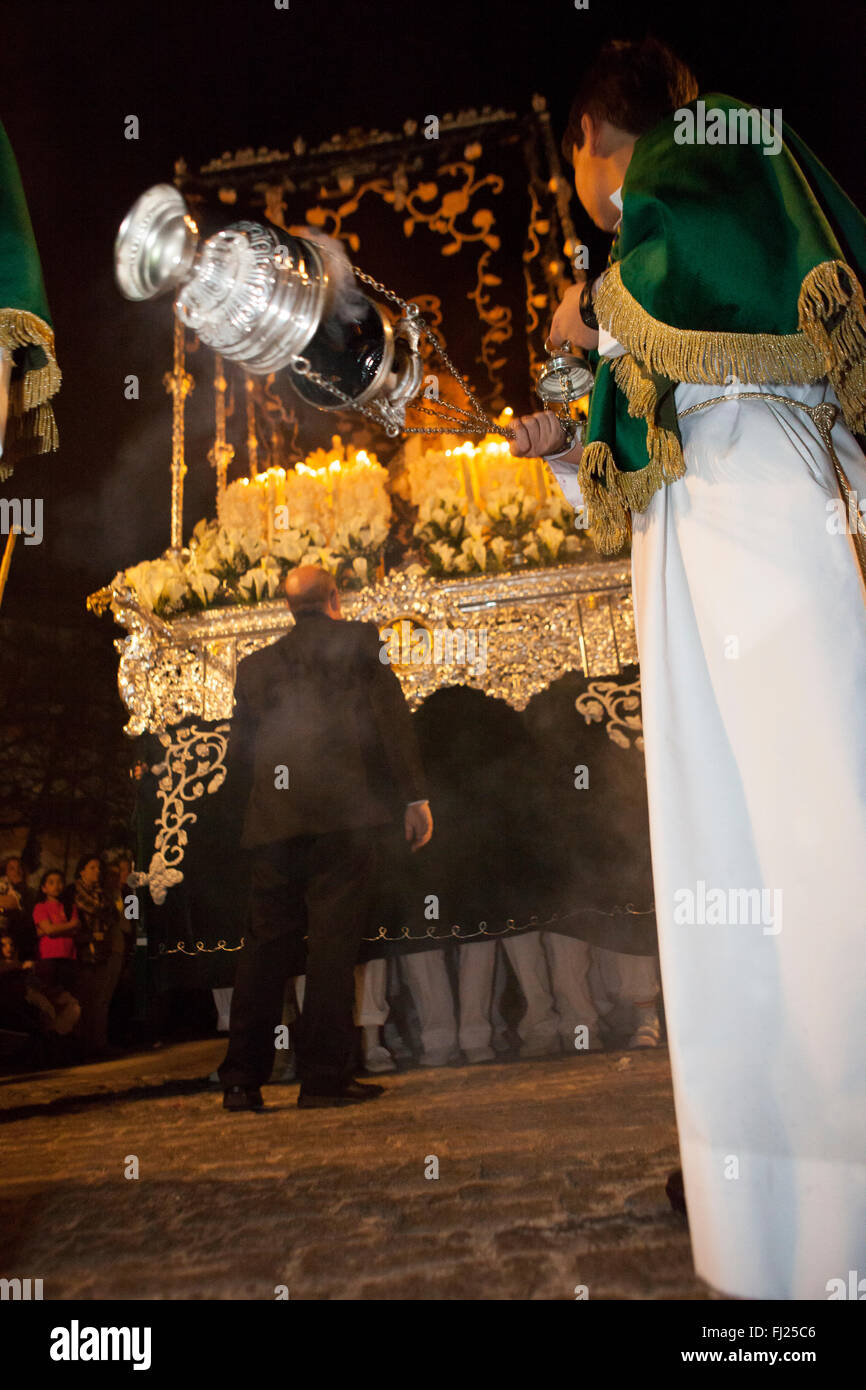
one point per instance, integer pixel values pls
(262, 582)
(334, 510)
(159, 585)
(510, 511)
(456, 539)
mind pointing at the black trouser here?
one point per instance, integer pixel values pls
(93, 988)
(318, 885)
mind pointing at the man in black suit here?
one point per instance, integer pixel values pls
(323, 738)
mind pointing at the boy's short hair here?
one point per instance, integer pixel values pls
(633, 85)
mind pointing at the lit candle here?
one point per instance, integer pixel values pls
(468, 483)
(540, 481)
(269, 509)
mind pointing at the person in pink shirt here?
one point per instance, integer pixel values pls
(56, 932)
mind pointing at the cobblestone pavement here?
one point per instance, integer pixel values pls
(551, 1175)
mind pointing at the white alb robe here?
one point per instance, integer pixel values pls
(751, 626)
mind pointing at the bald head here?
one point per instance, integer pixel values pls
(311, 589)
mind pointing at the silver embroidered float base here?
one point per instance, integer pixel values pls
(539, 624)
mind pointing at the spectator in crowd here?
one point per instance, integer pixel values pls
(39, 1016)
(56, 932)
(99, 950)
(16, 905)
(118, 867)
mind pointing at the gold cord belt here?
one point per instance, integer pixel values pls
(823, 417)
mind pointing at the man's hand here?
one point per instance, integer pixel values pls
(568, 326)
(418, 823)
(537, 435)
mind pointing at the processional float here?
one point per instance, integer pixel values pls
(274, 301)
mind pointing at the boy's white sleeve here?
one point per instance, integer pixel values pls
(566, 476)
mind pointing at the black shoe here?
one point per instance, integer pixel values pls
(351, 1093)
(242, 1098)
(676, 1193)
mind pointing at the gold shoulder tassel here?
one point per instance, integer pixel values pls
(612, 493)
(31, 418)
(607, 511)
(666, 463)
(831, 311)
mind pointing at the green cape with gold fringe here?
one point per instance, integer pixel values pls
(729, 263)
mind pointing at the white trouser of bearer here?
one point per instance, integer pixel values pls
(371, 999)
(477, 966)
(539, 1024)
(590, 980)
(427, 976)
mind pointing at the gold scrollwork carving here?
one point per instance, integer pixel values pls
(443, 213)
(619, 705)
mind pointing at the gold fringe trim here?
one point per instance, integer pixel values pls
(637, 385)
(665, 450)
(607, 515)
(831, 311)
(32, 428)
(34, 432)
(612, 493)
(693, 355)
(34, 388)
(20, 328)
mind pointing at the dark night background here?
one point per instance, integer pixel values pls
(209, 78)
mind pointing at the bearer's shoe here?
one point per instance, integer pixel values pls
(377, 1058)
(352, 1093)
(474, 1055)
(392, 1039)
(649, 1030)
(284, 1072)
(242, 1098)
(591, 1041)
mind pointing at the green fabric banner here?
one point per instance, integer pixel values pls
(26, 330)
